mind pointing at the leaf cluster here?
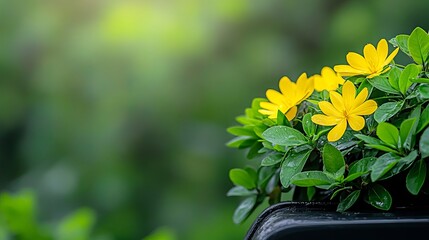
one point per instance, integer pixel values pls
(383, 165)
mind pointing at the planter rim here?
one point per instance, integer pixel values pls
(406, 213)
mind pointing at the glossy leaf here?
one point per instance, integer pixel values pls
(293, 164)
(407, 130)
(379, 197)
(363, 165)
(423, 91)
(387, 110)
(311, 178)
(333, 161)
(308, 125)
(410, 71)
(239, 191)
(272, 159)
(424, 143)
(418, 45)
(349, 201)
(401, 41)
(424, 120)
(402, 165)
(383, 84)
(394, 75)
(388, 133)
(244, 209)
(416, 177)
(382, 165)
(285, 136)
(383, 148)
(369, 140)
(241, 177)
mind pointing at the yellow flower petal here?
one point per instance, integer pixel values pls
(391, 56)
(349, 93)
(286, 85)
(275, 97)
(338, 131)
(304, 87)
(360, 98)
(356, 122)
(337, 101)
(328, 109)
(382, 51)
(371, 56)
(366, 108)
(291, 113)
(324, 120)
(319, 84)
(270, 113)
(268, 106)
(346, 70)
(329, 80)
(357, 61)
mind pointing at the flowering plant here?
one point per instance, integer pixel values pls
(355, 134)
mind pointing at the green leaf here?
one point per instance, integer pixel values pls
(244, 209)
(407, 130)
(416, 177)
(365, 84)
(418, 45)
(333, 161)
(368, 139)
(308, 125)
(410, 71)
(285, 136)
(424, 143)
(383, 148)
(388, 133)
(379, 197)
(264, 176)
(383, 84)
(382, 165)
(239, 191)
(402, 165)
(311, 178)
(293, 164)
(241, 177)
(394, 75)
(282, 119)
(402, 43)
(364, 165)
(272, 159)
(348, 202)
(242, 131)
(424, 120)
(254, 150)
(241, 142)
(311, 191)
(419, 80)
(387, 110)
(423, 91)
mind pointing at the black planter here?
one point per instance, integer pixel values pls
(319, 220)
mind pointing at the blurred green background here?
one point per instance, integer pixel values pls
(113, 114)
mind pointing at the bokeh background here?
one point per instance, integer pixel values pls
(113, 114)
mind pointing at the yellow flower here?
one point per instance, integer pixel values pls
(328, 80)
(371, 64)
(291, 94)
(344, 109)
